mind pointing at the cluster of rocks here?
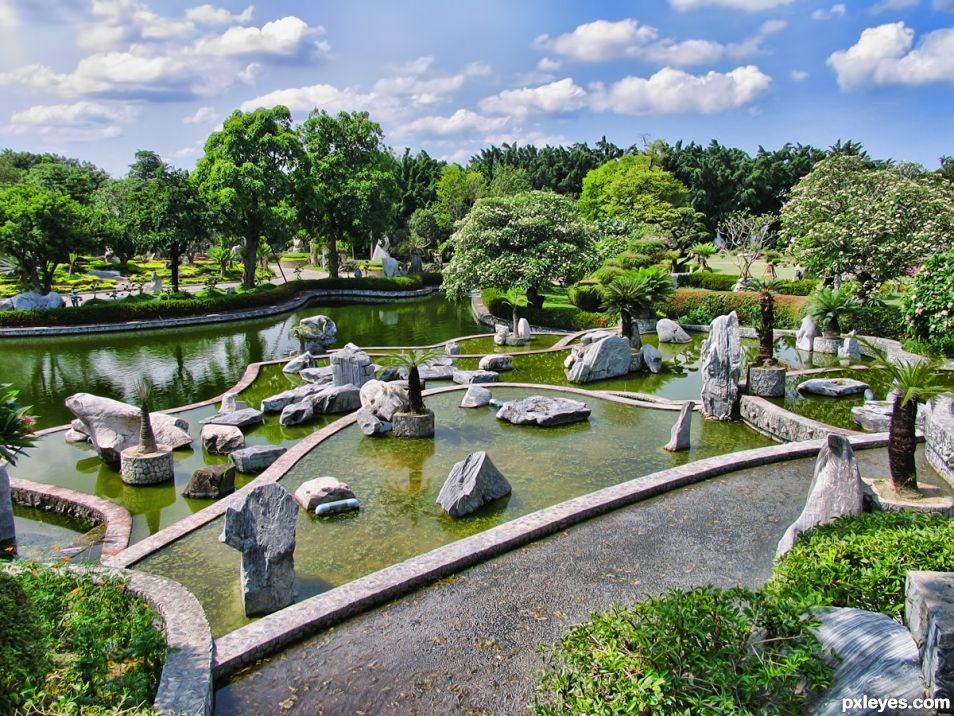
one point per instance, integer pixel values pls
(809, 338)
(603, 355)
(505, 337)
(319, 333)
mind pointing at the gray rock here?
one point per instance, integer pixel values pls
(832, 387)
(389, 266)
(221, 439)
(594, 336)
(113, 426)
(391, 373)
(501, 334)
(75, 436)
(523, 329)
(476, 397)
(262, 527)
(323, 333)
(651, 358)
(435, 372)
(31, 300)
(256, 458)
(351, 366)
(77, 425)
(850, 348)
(767, 381)
(669, 331)
(244, 418)
(929, 616)
(465, 377)
(826, 345)
(836, 490)
(321, 490)
(337, 399)
(297, 413)
(875, 415)
(318, 376)
(471, 484)
(609, 357)
(806, 335)
(211, 483)
(452, 348)
(939, 436)
(679, 437)
(299, 363)
(231, 403)
(497, 363)
(383, 399)
(371, 424)
(543, 411)
(277, 403)
(721, 368)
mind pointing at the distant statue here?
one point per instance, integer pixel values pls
(382, 249)
(156, 284)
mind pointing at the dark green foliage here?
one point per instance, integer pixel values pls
(586, 296)
(700, 306)
(929, 303)
(655, 249)
(802, 287)
(634, 260)
(877, 319)
(23, 651)
(708, 280)
(861, 561)
(703, 651)
(566, 317)
(430, 279)
(607, 273)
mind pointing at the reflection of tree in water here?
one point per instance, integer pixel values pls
(389, 458)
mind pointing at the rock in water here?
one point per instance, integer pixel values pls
(875, 415)
(263, 529)
(299, 363)
(240, 418)
(939, 436)
(501, 334)
(807, 333)
(523, 329)
(231, 403)
(384, 399)
(256, 458)
(609, 357)
(221, 439)
(679, 437)
(832, 387)
(651, 358)
(472, 483)
(351, 366)
(297, 413)
(321, 490)
(211, 483)
(836, 490)
(476, 397)
(465, 377)
(850, 348)
(339, 399)
(721, 368)
(452, 348)
(496, 363)
(277, 403)
(319, 376)
(371, 424)
(671, 332)
(323, 332)
(543, 411)
(113, 426)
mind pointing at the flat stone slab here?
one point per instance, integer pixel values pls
(465, 377)
(255, 459)
(875, 415)
(278, 402)
(543, 411)
(244, 418)
(833, 387)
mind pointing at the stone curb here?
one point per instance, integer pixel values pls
(767, 418)
(94, 509)
(275, 631)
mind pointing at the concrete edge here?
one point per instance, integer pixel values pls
(116, 518)
(243, 646)
(776, 422)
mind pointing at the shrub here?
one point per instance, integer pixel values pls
(430, 278)
(701, 306)
(565, 317)
(861, 561)
(586, 296)
(708, 280)
(23, 651)
(928, 307)
(877, 319)
(634, 260)
(655, 249)
(606, 274)
(802, 287)
(706, 650)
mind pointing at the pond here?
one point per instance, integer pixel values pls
(46, 535)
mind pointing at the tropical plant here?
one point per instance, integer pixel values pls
(928, 306)
(16, 425)
(831, 306)
(147, 438)
(633, 293)
(766, 288)
(701, 252)
(411, 360)
(221, 255)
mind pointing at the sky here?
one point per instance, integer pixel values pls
(101, 79)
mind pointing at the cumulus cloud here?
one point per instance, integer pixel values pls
(836, 10)
(557, 97)
(211, 15)
(432, 90)
(886, 55)
(320, 96)
(547, 64)
(747, 5)
(463, 121)
(675, 91)
(78, 121)
(201, 115)
(287, 36)
(603, 40)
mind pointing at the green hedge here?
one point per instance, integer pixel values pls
(883, 320)
(696, 305)
(566, 317)
(726, 282)
(586, 297)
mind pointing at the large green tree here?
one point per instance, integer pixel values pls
(632, 186)
(519, 242)
(458, 189)
(849, 216)
(252, 173)
(352, 193)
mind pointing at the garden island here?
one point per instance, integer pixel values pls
(321, 427)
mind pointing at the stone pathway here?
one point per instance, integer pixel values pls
(468, 644)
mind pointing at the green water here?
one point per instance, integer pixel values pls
(397, 482)
(483, 346)
(50, 535)
(191, 364)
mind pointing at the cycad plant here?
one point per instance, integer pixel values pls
(830, 307)
(766, 288)
(701, 253)
(411, 360)
(147, 439)
(633, 293)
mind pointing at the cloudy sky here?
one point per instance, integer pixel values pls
(99, 79)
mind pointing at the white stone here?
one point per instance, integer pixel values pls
(679, 437)
(256, 458)
(669, 331)
(297, 413)
(321, 490)
(221, 439)
(609, 357)
(351, 366)
(231, 403)
(496, 363)
(319, 376)
(807, 333)
(651, 358)
(476, 397)
(371, 424)
(472, 483)
(523, 329)
(501, 334)
(384, 399)
(244, 418)
(832, 387)
(464, 377)
(31, 300)
(543, 411)
(298, 363)
(324, 333)
(594, 336)
(850, 348)
(721, 368)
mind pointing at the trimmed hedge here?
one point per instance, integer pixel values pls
(569, 318)
(726, 282)
(697, 305)
(586, 297)
(882, 320)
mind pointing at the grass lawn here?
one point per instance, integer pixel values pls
(729, 264)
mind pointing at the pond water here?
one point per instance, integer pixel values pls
(49, 535)
(397, 482)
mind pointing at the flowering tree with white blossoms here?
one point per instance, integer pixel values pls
(928, 305)
(848, 216)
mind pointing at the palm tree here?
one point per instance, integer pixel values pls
(831, 306)
(411, 360)
(701, 252)
(633, 293)
(766, 288)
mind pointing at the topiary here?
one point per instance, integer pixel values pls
(24, 661)
(606, 274)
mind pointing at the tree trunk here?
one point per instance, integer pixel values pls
(534, 298)
(626, 326)
(832, 330)
(250, 261)
(174, 254)
(313, 253)
(901, 446)
(414, 390)
(767, 329)
(513, 326)
(147, 439)
(8, 534)
(333, 257)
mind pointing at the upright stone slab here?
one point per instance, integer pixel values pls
(263, 529)
(609, 357)
(939, 437)
(929, 615)
(651, 358)
(721, 368)
(472, 483)
(806, 335)
(679, 437)
(476, 396)
(836, 490)
(351, 366)
(850, 348)
(523, 329)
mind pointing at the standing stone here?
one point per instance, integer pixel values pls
(609, 357)
(836, 490)
(476, 396)
(211, 483)
(389, 266)
(850, 347)
(321, 490)
(256, 458)
(221, 439)
(669, 331)
(231, 403)
(297, 413)
(8, 532)
(679, 437)
(351, 366)
(651, 358)
(472, 483)
(496, 363)
(939, 436)
(416, 261)
(523, 329)
(807, 333)
(721, 368)
(384, 399)
(263, 529)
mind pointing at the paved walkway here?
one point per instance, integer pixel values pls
(468, 644)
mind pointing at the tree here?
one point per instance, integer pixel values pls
(766, 288)
(417, 181)
(509, 180)
(457, 191)
(250, 172)
(431, 224)
(117, 205)
(16, 434)
(523, 241)
(850, 217)
(352, 191)
(747, 236)
(630, 294)
(632, 186)
(830, 307)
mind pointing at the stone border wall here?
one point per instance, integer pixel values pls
(90, 508)
(774, 421)
(275, 631)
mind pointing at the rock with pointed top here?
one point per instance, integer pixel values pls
(476, 396)
(609, 357)
(651, 358)
(297, 413)
(669, 331)
(806, 335)
(472, 483)
(679, 437)
(721, 368)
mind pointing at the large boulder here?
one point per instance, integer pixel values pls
(384, 399)
(221, 439)
(472, 483)
(297, 413)
(211, 483)
(669, 331)
(609, 357)
(806, 335)
(466, 377)
(721, 367)
(476, 396)
(389, 266)
(543, 411)
(256, 458)
(875, 415)
(321, 490)
(321, 333)
(319, 376)
(371, 424)
(497, 363)
(31, 300)
(833, 387)
(351, 366)
(435, 372)
(651, 358)
(336, 399)
(594, 336)
(836, 490)
(262, 527)
(113, 426)
(244, 418)
(277, 403)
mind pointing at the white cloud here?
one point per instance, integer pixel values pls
(747, 5)
(836, 10)
(426, 91)
(201, 115)
(321, 96)
(287, 36)
(417, 66)
(524, 137)
(554, 98)
(888, 5)
(671, 90)
(547, 64)
(463, 121)
(798, 75)
(8, 16)
(886, 55)
(603, 40)
(78, 121)
(251, 73)
(211, 15)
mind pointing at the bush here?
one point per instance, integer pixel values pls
(634, 260)
(606, 274)
(877, 319)
(861, 561)
(706, 650)
(655, 249)
(701, 306)
(928, 307)
(802, 287)
(586, 297)
(23, 651)
(430, 278)
(708, 280)
(568, 318)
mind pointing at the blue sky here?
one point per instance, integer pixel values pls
(99, 79)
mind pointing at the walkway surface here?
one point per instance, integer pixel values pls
(469, 644)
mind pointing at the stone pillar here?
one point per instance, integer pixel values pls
(767, 381)
(679, 437)
(721, 368)
(149, 468)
